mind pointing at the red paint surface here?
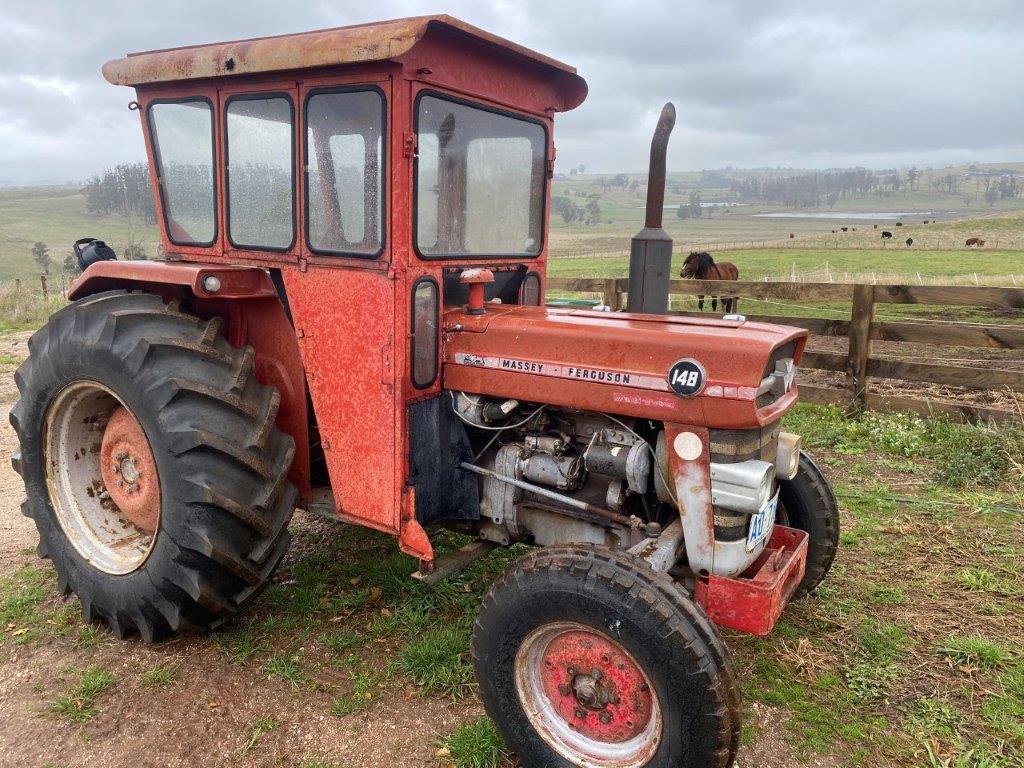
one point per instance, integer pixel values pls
(343, 320)
(754, 601)
(136, 492)
(236, 281)
(580, 653)
(733, 355)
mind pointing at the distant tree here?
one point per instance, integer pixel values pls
(581, 170)
(41, 255)
(592, 211)
(573, 171)
(693, 209)
(123, 189)
(70, 265)
(567, 209)
(619, 180)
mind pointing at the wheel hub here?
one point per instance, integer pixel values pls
(596, 686)
(128, 470)
(588, 697)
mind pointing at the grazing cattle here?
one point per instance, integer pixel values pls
(926, 221)
(910, 241)
(700, 266)
(853, 229)
(899, 223)
(974, 241)
(791, 235)
(886, 235)
(833, 231)
(876, 226)
(845, 229)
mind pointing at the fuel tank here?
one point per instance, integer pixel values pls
(718, 373)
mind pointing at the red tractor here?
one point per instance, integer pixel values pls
(350, 315)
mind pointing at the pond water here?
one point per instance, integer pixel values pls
(869, 216)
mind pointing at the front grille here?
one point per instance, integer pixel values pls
(732, 445)
(785, 351)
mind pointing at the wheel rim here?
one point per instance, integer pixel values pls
(102, 477)
(588, 697)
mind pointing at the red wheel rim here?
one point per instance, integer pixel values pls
(129, 470)
(588, 697)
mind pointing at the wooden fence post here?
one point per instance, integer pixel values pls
(42, 279)
(860, 345)
(612, 297)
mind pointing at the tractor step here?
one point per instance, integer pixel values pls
(753, 601)
(455, 562)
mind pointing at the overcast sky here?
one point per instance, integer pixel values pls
(805, 83)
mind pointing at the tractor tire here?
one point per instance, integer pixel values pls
(588, 657)
(806, 502)
(153, 469)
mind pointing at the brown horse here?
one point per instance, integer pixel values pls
(700, 266)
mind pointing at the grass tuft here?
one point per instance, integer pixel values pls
(78, 704)
(160, 677)
(477, 744)
(974, 650)
(435, 660)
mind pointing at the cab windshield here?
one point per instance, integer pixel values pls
(480, 180)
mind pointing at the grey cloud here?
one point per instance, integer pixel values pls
(755, 82)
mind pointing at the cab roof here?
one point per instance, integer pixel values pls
(357, 44)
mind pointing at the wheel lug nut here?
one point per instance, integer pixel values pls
(605, 717)
(580, 713)
(564, 689)
(595, 673)
(572, 671)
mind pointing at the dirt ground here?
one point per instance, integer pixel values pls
(206, 716)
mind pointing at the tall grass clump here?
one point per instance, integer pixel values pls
(23, 307)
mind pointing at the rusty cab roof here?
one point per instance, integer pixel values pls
(358, 44)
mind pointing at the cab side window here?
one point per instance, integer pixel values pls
(182, 137)
(260, 162)
(344, 177)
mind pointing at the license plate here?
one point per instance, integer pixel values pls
(761, 524)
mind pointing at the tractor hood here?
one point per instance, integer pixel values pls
(701, 371)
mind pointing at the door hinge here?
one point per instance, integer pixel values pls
(408, 144)
(551, 163)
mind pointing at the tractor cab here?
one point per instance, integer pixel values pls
(349, 317)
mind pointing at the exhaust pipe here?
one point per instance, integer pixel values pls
(650, 252)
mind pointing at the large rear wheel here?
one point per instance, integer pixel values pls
(586, 657)
(153, 470)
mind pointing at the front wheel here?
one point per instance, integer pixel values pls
(806, 502)
(586, 657)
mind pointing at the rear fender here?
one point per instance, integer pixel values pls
(253, 315)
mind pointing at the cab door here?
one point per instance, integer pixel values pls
(341, 293)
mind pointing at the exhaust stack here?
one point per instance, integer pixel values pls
(650, 253)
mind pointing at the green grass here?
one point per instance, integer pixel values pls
(160, 677)
(476, 744)
(973, 650)
(57, 216)
(78, 704)
(436, 660)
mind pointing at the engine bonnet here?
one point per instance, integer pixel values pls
(634, 364)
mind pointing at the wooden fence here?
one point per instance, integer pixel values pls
(862, 328)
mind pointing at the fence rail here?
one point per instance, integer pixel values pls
(862, 328)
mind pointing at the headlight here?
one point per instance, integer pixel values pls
(787, 456)
(742, 487)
